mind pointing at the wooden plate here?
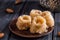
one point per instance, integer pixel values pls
(26, 33)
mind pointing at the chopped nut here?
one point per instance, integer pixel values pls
(17, 1)
(1, 35)
(9, 10)
(58, 33)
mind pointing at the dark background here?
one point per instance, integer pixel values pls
(23, 8)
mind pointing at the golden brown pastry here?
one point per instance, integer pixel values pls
(23, 22)
(34, 13)
(49, 18)
(38, 25)
(37, 22)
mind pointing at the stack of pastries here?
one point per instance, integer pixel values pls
(36, 22)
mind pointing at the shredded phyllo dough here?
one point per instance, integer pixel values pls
(38, 25)
(36, 22)
(34, 13)
(23, 22)
(49, 18)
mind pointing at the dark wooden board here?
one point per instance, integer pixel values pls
(57, 26)
(5, 18)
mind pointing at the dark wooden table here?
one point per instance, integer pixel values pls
(23, 8)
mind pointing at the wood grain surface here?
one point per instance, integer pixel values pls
(23, 8)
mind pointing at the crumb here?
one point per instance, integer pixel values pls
(58, 33)
(1, 35)
(9, 10)
(17, 1)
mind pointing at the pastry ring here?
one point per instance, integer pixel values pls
(49, 18)
(34, 13)
(23, 22)
(38, 25)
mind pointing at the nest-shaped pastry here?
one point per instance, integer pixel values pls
(49, 18)
(23, 22)
(36, 22)
(38, 25)
(34, 13)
